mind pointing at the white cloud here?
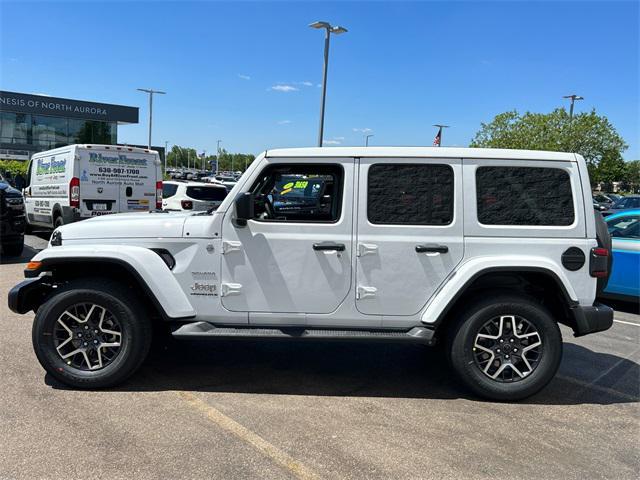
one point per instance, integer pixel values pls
(362, 130)
(335, 141)
(306, 84)
(319, 85)
(338, 138)
(284, 122)
(284, 88)
(244, 77)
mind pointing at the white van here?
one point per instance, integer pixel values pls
(82, 181)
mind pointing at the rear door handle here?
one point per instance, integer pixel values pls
(338, 247)
(432, 248)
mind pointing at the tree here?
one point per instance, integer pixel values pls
(589, 134)
(632, 175)
(182, 156)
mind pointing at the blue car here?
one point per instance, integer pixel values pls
(624, 282)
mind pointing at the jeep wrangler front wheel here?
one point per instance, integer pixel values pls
(506, 348)
(91, 334)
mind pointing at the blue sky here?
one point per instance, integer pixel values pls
(248, 73)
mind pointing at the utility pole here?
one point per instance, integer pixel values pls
(437, 142)
(366, 139)
(204, 157)
(150, 91)
(329, 29)
(573, 98)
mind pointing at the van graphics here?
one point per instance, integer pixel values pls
(51, 166)
(141, 204)
(119, 169)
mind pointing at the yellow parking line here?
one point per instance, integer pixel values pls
(243, 433)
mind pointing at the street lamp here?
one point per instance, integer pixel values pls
(573, 98)
(150, 91)
(166, 143)
(218, 156)
(366, 139)
(329, 29)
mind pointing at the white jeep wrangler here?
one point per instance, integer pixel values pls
(484, 251)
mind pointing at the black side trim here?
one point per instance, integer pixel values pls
(570, 303)
(591, 319)
(28, 294)
(51, 262)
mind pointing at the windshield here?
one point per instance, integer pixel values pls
(628, 202)
(627, 226)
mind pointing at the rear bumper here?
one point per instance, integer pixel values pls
(591, 319)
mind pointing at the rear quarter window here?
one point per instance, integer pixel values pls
(524, 196)
(169, 190)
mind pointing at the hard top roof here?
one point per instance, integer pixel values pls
(433, 152)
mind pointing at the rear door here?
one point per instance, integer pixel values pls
(409, 232)
(138, 187)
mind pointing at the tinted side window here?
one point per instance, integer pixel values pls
(169, 190)
(524, 196)
(400, 194)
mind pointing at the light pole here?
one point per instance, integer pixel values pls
(329, 29)
(438, 140)
(217, 156)
(573, 98)
(366, 139)
(166, 143)
(150, 91)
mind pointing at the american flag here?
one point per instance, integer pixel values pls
(436, 141)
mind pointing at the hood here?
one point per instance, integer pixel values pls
(8, 190)
(127, 225)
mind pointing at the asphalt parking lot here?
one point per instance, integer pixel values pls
(313, 410)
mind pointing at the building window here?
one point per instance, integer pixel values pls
(524, 196)
(89, 131)
(401, 194)
(14, 127)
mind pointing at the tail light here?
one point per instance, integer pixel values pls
(599, 262)
(158, 195)
(186, 204)
(74, 192)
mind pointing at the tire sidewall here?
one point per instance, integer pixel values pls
(43, 340)
(462, 355)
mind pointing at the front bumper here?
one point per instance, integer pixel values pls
(28, 294)
(591, 319)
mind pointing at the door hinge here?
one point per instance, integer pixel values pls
(365, 248)
(364, 292)
(230, 246)
(228, 289)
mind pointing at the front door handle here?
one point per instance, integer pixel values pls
(338, 247)
(432, 248)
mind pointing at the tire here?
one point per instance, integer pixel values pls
(58, 222)
(469, 353)
(13, 249)
(111, 365)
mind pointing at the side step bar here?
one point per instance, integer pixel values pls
(207, 330)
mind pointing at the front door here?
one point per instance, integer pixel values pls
(294, 256)
(409, 232)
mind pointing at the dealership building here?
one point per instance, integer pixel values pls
(33, 123)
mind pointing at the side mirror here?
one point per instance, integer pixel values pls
(244, 208)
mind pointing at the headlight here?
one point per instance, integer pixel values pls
(56, 238)
(14, 202)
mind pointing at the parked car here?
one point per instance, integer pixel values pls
(625, 203)
(603, 200)
(83, 181)
(597, 206)
(624, 282)
(192, 195)
(12, 219)
(396, 256)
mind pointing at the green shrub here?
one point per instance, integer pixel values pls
(14, 167)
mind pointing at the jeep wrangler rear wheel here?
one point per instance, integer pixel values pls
(91, 334)
(506, 348)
